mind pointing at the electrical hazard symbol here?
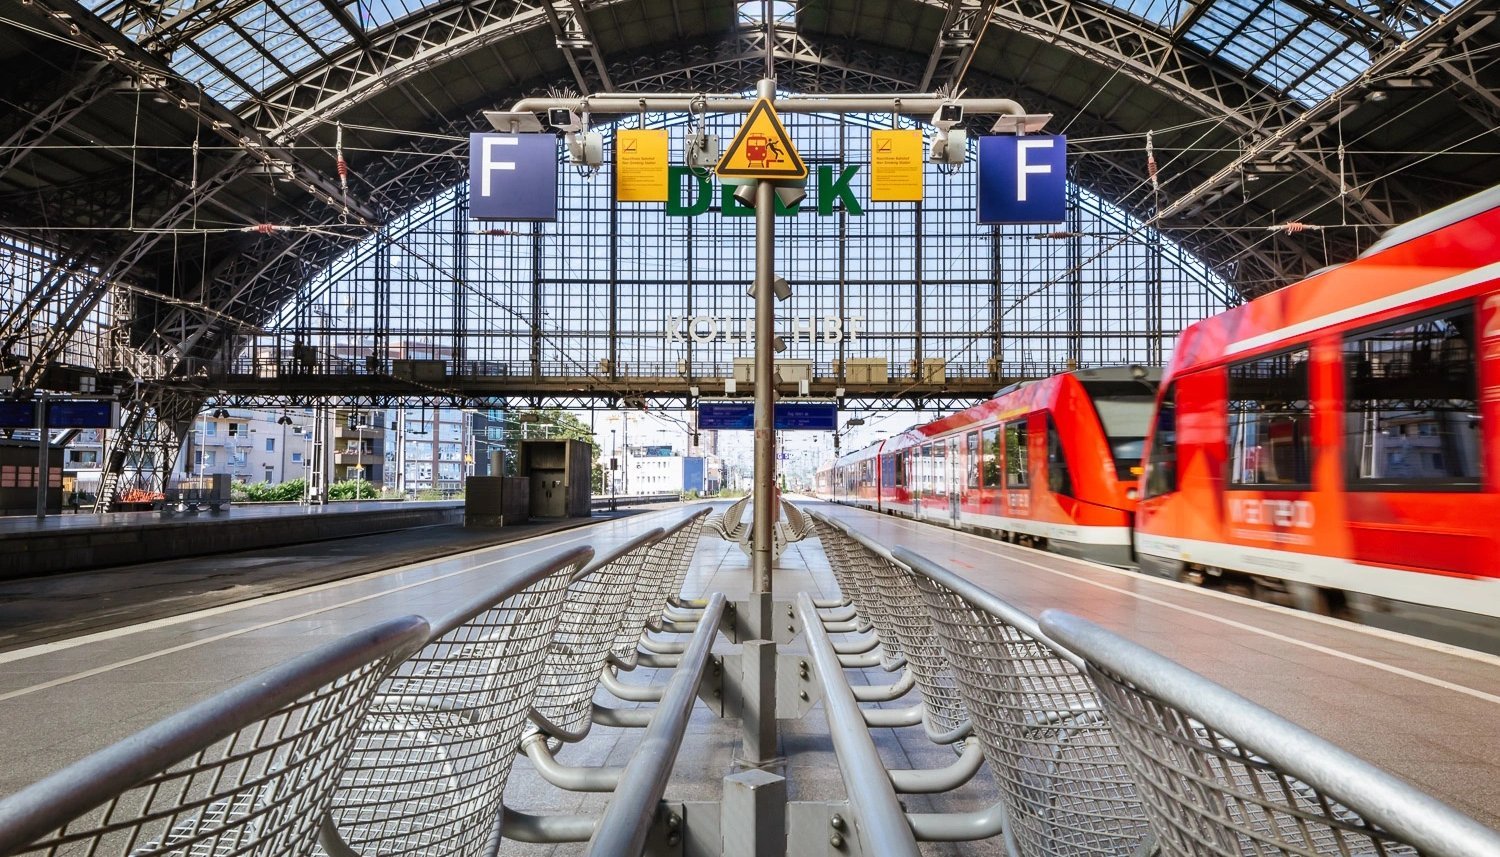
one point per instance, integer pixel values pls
(761, 149)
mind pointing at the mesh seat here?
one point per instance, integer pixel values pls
(662, 567)
(434, 753)
(251, 770)
(1209, 794)
(592, 611)
(944, 715)
(1045, 734)
(856, 580)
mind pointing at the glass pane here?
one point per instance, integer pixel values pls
(1270, 422)
(992, 457)
(1412, 410)
(1016, 472)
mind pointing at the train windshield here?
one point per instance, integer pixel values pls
(1125, 411)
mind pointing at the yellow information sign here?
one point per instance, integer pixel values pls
(640, 166)
(896, 159)
(761, 149)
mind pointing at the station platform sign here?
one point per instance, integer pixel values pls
(790, 416)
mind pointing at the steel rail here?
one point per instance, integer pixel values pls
(878, 816)
(921, 105)
(622, 830)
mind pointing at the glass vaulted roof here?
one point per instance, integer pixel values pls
(236, 49)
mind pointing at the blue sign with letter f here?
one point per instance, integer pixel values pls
(512, 176)
(1023, 179)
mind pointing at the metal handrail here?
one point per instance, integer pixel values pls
(1395, 807)
(622, 831)
(156, 752)
(878, 815)
(984, 600)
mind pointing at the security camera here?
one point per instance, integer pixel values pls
(949, 147)
(563, 119)
(948, 115)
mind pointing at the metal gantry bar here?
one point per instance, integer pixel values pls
(878, 815)
(622, 831)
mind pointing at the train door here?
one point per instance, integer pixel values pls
(1017, 470)
(955, 479)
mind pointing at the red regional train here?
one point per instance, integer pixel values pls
(1050, 463)
(1331, 446)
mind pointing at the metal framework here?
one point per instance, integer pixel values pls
(1349, 116)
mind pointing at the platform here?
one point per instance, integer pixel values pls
(30, 546)
(1419, 709)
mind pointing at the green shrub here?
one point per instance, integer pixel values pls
(353, 489)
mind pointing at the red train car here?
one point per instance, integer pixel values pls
(1052, 463)
(1336, 444)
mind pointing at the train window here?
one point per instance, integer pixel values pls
(992, 457)
(900, 463)
(1059, 481)
(1270, 422)
(971, 441)
(1161, 466)
(1411, 413)
(1016, 473)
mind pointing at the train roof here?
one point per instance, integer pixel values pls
(1422, 264)
(1446, 216)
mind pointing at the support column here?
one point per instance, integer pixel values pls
(759, 714)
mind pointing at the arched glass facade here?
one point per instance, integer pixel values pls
(652, 289)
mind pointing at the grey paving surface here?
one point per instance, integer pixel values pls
(61, 606)
(1430, 713)
(61, 700)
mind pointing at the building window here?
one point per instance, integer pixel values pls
(234, 429)
(270, 444)
(992, 457)
(210, 428)
(209, 457)
(1411, 411)
(1270, 422)
(1016, 473)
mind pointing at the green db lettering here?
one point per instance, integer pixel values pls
(830, 191)
(701, 201)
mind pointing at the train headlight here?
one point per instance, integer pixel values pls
(1131, 493)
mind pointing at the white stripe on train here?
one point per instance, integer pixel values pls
(1465, 594)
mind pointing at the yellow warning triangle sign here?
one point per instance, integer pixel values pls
(761, 149)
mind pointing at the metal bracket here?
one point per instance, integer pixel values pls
(820, 829)
(786, 625)
(797, 686)
(684, 829)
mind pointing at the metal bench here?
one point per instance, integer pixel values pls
(1223, 776)
(1046, 736)
(434, 752)
(251, 770)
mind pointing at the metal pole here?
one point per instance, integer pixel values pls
(41, 457)
(765, 394)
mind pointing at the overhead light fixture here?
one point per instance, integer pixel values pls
(693, 391)
(513, 123)
(221, 414)
(730, 385)
(781, 288)
(803, 386)
(838, 392)
(778, 343)
(854, 422)
(1024, 123)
